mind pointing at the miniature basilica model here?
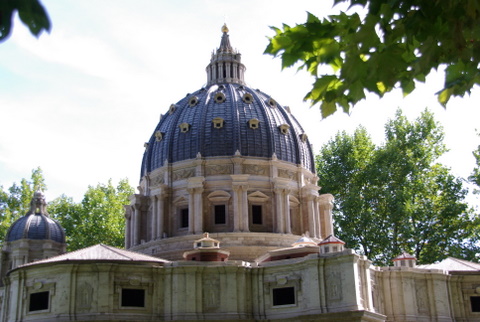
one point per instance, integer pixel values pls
(228, 225)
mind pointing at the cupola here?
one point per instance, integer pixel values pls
(405, 260)
(331, 244)
(225, 65)
(206, 249)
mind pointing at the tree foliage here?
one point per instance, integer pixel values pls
(475, 176)
(98, 218)
(395, 44)
(31, 13)
(15, 201)
(396, 197)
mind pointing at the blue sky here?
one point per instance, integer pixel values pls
(81, 101)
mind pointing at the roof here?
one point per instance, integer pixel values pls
(100, 252)
(453, 264)
(332, 240)
(404, 256)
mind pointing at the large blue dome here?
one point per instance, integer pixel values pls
(226, 118)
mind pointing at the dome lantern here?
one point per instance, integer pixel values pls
(225, 65)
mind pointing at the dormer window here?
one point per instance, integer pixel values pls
(272, 102)
(159, 136)
(192, 101)
(184, 127)
(217, 122)
(284, 128)
(247, 98)
(219, 97)
(253, 123)
(303, 137)
(172, 109)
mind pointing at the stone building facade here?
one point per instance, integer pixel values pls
(231, 161)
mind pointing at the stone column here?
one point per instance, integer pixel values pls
(227, 67)
(191, 216)
(311, 216)
(153, 217)
(195, 205)
(198, 208)
(280, 211)
(128, 226)
(310, 193)
(245, 226)
(240, 202)
(220, 71)
(138, 224)
(286, 207)
(326, 206)
(161, 214)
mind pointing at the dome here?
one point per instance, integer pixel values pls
(226, 118)
(36, 224)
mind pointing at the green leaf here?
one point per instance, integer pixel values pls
(444, 96)
(328, 108)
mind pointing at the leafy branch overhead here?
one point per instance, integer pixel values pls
(396, 44)
(31, 13)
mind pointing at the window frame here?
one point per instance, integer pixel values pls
(39, 310)
(182, 212)
(225, 214)
(253, 214)
(121, 298)
(284, 287)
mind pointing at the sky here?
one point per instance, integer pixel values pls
(81, 101)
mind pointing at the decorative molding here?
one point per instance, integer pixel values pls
(219, 196)
(288, 174)
(258, 196)
(421, 296)
(256, 169)
(183, 174)
(211, 292)
(334, 285)
(218, 169)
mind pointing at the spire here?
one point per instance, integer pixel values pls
(225, 65)
(225, 46)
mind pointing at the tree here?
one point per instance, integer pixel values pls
(31, 13)
(15, 202)
(396, 197)
(396, 43)
(475, 176)
(99, 218)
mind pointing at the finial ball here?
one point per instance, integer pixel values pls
(224, 28)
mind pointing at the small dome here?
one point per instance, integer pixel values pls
(36, 224)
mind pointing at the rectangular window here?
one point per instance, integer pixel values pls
(184, 218)
(133, 297)
(283, 296)
(220, 215)
(256, 214)
(475, 302)
(39, 301)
